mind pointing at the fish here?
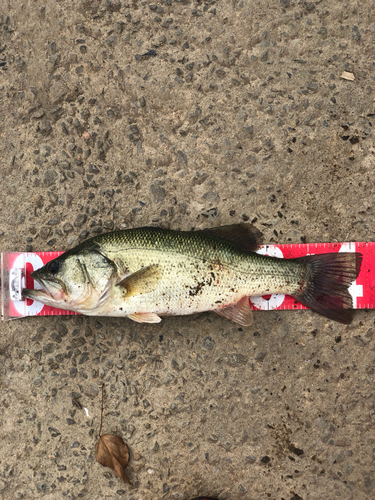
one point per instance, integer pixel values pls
(146, 273)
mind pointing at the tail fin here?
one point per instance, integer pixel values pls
(325, 285)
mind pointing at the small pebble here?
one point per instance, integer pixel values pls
(80, 220)
(91, 390)
(158, 193)
(356, 35)
(236, 359)
(208, 343)
(50, 177)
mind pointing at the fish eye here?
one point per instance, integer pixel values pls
(53, 267)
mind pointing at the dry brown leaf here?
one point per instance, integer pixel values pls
(112, 452)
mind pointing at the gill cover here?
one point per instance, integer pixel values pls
(74, 281)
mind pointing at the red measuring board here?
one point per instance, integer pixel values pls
(16, 268)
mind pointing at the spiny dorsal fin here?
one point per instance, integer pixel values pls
(240, 312)
(143, 281)
(246, 236)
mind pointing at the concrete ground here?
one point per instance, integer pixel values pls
(187, 115)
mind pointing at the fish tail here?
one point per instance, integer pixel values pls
(324, 285)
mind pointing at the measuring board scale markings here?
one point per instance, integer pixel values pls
(16, 268)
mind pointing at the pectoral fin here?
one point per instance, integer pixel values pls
(143, 281)
(145, 317)
(240, 312)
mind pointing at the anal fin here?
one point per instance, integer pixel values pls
(240, 312)
(145, 317)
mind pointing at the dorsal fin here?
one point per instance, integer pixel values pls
(246, 236)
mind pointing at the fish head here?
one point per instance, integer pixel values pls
(73, 281)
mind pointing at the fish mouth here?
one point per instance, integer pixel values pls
(52, 290)
(39, 295)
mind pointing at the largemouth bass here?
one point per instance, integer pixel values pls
(145, 273)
